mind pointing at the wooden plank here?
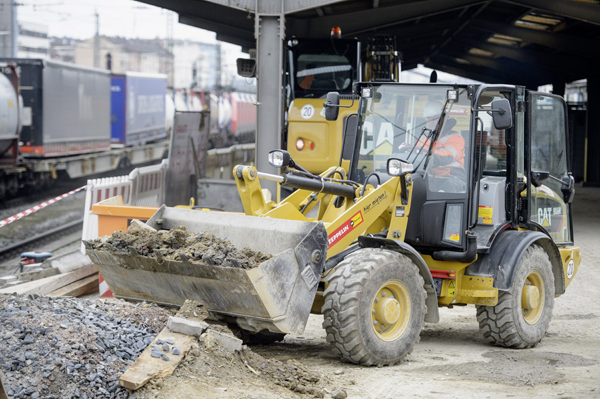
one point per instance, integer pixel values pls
(147, 367)
(49, 284)
(79, 288)
(3, 394)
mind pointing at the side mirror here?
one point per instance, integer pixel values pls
(331, 106)
(538, 177)
(502, 114)
(246, 67)
(569, 190)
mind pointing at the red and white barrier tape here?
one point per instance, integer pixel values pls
(36, 208)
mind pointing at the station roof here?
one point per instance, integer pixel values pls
(527, 42)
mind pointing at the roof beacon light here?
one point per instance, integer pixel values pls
(336, 32)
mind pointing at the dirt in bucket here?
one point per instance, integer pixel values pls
(179, 245)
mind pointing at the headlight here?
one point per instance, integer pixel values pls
(279, 158)
(299, 144)
(397, 167)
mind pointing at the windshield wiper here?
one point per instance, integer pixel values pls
(436, 134)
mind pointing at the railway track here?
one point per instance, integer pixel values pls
(34, 242)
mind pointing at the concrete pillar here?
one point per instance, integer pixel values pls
(269, 31)
(593, 131)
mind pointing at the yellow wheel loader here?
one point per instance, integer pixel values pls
(416, 225)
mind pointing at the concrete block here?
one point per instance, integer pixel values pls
(185, 326)
(68, 262)
(229, 342)
(34, 267)
(7, 279)
(13, 283)
(38, 274)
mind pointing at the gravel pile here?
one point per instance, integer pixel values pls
(55, 347)
(179, 245)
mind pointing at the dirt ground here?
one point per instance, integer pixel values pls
(451, 360)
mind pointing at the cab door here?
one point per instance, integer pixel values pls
(550, 184)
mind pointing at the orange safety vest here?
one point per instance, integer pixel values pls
(451, 144)
(306, 82)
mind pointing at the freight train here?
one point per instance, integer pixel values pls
(64, 118)
(58, 118)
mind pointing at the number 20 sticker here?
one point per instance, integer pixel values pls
(307, 111)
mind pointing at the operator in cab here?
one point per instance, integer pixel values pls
(448, 153)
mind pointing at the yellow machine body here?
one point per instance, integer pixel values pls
(321, 139)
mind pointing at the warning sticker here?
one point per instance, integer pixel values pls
(486, 212)
(454, 237)
(451, 288)
(345, 228)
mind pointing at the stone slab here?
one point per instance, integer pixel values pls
(229, 342)
(185, 326)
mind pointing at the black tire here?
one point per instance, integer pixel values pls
(264, 337)
(352, 297)
(509, 323)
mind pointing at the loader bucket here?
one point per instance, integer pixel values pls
(277, 295)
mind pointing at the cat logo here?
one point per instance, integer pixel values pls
(545, 217)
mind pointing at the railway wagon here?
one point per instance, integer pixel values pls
(9, 119)
(138, 108)
(66, 108)
(232, 115)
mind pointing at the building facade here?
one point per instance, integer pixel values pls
(127, 55)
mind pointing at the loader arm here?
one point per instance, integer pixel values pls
(386, 207)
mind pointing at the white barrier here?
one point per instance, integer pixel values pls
(148, 185)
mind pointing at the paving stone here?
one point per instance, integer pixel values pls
(185, 326)
(229, 342)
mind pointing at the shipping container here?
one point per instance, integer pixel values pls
(138, 108)
(66, 108)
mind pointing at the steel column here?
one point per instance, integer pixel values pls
(269, 33)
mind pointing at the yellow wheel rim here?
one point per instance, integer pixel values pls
(532, 298)
(390, 311)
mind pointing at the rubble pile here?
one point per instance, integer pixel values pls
(179, 245)
(61, 347)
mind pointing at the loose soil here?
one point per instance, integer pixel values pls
(213, 372)
(180, 245)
